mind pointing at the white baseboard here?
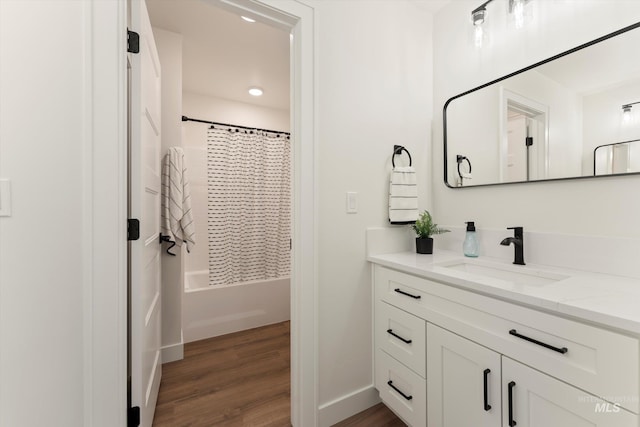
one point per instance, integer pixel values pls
(173, 352)
(342, 408)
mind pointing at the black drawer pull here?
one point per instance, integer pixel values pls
(390, 383)
(487, 407)
(562, 350)
(407, 294)
(512, 422)
(390, 331)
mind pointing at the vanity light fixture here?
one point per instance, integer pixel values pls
(255, 91)
(478, 15)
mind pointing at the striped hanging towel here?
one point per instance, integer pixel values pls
(177, 217)
(403, 196)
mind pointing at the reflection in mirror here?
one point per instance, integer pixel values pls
(619, 157)
(544, 122)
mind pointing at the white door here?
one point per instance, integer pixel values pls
(144, 204)
(517, 151)
(533, 399)
(463, 381)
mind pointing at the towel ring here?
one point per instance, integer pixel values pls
(459, 160)
(398, 149)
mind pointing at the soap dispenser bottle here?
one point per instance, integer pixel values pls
(470, 245)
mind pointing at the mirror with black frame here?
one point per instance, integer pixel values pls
(617, 158)
(571, 116)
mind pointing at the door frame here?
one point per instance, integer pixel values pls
(528, 106)
(104, 218)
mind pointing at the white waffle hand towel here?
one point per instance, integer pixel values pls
(177, 217)
(403, 196)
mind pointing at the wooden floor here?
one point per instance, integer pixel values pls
(237, 380)
(376, 416)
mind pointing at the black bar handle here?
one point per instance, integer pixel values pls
(512, 422)
(404, 340)
(407, 294)
(390, 383)
(562, 350)
(487, 407)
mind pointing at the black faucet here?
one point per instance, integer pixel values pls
(518, 244)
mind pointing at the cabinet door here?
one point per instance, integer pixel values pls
(463, 381)
(533, 399)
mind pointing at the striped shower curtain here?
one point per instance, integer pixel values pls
(249, 205)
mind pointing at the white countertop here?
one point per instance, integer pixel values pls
(611, 301)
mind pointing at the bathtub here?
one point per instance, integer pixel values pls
(209, 311)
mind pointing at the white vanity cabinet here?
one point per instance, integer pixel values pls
(533, 399)
(490, 362)
(465, 382)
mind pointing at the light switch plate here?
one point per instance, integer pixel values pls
(5, 197)
(352, 202)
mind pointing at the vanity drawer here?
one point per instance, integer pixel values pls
(600, 361)
(402, 335)
(401, 389)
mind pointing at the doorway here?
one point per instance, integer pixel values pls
(105, 304)
(302, 371)
(524, 142)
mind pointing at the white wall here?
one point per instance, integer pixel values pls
(593, 207)
(374, 83)
(169, 47)
(209, 108)
(474, 132)
(49, 363)
(41, 147)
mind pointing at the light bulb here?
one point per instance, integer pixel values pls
(479, 35)
(518, 13)
(255, 91)
(246, 18)
(477, 17)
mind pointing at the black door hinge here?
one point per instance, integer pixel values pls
(528, 141)
(133, 229)
(133, 42)
(133, 420)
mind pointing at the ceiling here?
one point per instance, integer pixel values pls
(598, 67)
(224, 55)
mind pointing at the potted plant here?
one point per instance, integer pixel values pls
(425, 228)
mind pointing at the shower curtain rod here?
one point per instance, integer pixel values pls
(189, 119)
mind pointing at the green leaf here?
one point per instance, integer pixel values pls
(425, 227)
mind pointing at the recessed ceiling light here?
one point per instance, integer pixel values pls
(246, 18)
(255, 91)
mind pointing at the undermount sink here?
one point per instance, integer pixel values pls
(519, 275)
